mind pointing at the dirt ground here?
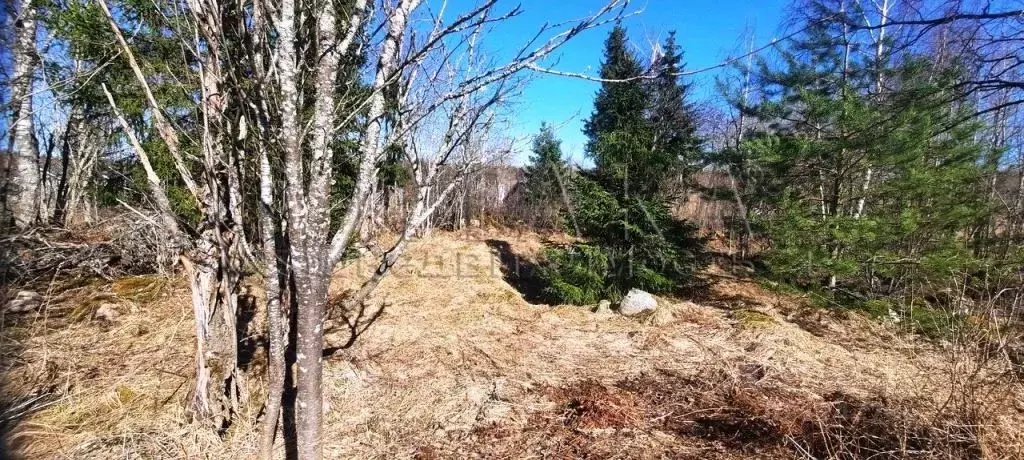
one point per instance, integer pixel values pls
(453, 362)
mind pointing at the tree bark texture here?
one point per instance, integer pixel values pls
(25, 196)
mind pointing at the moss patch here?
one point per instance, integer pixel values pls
(752, 319)
(145, 288)
(125, 395)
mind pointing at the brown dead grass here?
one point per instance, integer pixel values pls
(717, 415)
(458, 364)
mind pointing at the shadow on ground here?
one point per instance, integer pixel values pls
(355, 318)
(518, 271)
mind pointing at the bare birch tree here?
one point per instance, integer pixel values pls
(982, 36)
(25, 195)
(449, 55)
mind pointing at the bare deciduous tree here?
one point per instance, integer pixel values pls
(24, 194)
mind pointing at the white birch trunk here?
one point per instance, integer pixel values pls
(370, 145)
(25, 197)
(308, 230)
(879, 86)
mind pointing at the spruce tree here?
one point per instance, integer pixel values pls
(545, 179)
(819, 155)
(632, 240)
(672, 118)
(619, 135)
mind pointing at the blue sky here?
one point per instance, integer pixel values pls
(707, 30)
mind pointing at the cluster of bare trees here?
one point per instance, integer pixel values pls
(47, 170)
(269, 108)
(483, 196)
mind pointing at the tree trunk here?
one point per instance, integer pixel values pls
(307, 214)
(85, 148)
(741, 206)
(213, 264)
(45, 191)
(276, 270)
(741, 209)
(214, 271)
(60, 205)
(277, 321)
(25, 192)
(883, 18)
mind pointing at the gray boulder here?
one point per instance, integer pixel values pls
(637, 301)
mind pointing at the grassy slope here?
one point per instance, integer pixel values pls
(458, 363)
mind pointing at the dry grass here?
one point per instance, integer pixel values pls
(112, 388)
(458, 364)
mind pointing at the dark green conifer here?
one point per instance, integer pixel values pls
(671, 116)
(545, 178)
(633, 241)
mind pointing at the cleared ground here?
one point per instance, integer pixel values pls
(458, 364)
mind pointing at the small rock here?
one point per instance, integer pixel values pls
(354, 375)
(637, 301)
(106, 312)
(604, 307)
(23, 302)
(502, 391)
(893, 317)
(349, 374)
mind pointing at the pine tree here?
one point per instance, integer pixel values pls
(863, 186)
